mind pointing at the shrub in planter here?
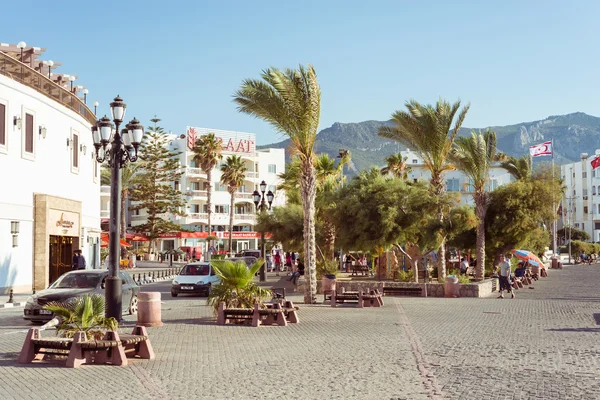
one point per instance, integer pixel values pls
(327, 267)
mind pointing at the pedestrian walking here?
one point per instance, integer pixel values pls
(505, 278)
(277, 260)
(78, 260)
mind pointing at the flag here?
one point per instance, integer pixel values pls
(544, 149)
(595, 162)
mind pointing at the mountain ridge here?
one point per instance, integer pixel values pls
(573, 134)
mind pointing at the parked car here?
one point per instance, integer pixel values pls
(76, 284)
(247, 259)
(194, 278)
(252, 253)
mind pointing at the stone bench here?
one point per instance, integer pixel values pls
(110, 349)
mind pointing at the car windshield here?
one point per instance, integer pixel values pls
(77, 281)
(195, 270)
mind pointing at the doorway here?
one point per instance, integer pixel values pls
(242, 245)
(61, 256)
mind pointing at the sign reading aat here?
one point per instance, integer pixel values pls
(63, 223)
(234, 142)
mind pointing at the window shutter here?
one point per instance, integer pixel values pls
(2, 125)
(28, 133)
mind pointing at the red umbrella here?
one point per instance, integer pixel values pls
(105, 241)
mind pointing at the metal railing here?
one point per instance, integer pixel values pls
(195, 171)
(26, 75)
(196, 216)
(245, 217)
(243, 195)
(197, 193)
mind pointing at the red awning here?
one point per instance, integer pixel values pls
(136, 237)
(104, 241)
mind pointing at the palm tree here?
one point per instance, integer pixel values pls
(234, 173)
(290, 100)
(519, 168)
(207, 154)
(428, 129)
(474, 156)
(397, 166)
(128, 181)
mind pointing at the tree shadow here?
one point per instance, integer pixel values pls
(596, 318)
(592, 330)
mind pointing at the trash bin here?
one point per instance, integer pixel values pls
(451, 288)
(149, 312)
(555, 262)
(328, 283)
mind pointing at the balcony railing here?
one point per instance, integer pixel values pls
(196, 216)
(251, 174)
(26, 75)
(197, 193)
(138, 217)
(105, 189)
(195, 171)
(239, 195)
(104, 214)
(245, 217)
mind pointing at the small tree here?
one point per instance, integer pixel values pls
(154, 190)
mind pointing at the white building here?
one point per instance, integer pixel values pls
(581, 203)
(50, 179)
(456, 181)
(262, 165)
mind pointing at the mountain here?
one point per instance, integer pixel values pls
(573, 134)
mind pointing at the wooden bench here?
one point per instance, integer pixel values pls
(371, 299)
(110, 349)
(402, 291)
(273, 314)
(363, 269)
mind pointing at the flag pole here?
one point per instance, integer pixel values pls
(554, 250)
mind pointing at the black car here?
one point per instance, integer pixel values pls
(76, 284)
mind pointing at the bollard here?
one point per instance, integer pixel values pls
(139, 280)
(149, 312)
(152, 275)
(10, 297)
(145, 278)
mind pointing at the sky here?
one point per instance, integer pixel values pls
(514, 61)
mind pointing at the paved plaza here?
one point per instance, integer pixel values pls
(541, 345)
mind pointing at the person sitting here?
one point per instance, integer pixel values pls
(464, 266)
(297, 273)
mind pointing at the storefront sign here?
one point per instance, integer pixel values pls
(63, 223)
(232, 144)
(242, 235)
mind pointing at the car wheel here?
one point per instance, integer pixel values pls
(133, 305)
(173, 294)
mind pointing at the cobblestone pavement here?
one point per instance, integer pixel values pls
(542, 345)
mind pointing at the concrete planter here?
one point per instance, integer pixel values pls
(475, 289)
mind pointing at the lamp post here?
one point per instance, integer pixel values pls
(21, 45)
(71, 79)
(85, 93)
(50, 65)
(261, 205)
(96, 104)
(123, 148)
(342, 153)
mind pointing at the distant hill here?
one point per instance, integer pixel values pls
(573, 134)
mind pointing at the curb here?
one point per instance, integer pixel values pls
(11, 305)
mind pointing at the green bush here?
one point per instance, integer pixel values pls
(327, 267)
(463, 279)
(406, 276)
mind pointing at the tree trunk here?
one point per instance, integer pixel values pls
(438, 189)
(480, 211)
(308, 189)
(123, 224)
(208, 206)
(232, 192)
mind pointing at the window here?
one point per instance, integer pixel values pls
(585, 209)
(576, 224)
(415, 161)
(271, 188)
(272, 168)
(596, 225)
(574, 192)
(583, 226)
(593, 190)
(470, 187)
(584, 192)
(493, 184)
(584, 174)
(220, 188)
(195, 208)
(3, 125)
(222, 209)
(452, 185)
(74, 152)
(573, 174)
(176, 185)
(27, 139)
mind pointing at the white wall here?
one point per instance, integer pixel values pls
(49, 172)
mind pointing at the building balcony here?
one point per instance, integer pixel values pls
(242, 195)
(195, 172)
(104, 213)
(245, 217)
(197, 194)
(251, 174)
(138, 217)
(26, 75)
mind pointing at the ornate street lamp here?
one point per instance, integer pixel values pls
(261, 205)
(96, 104)
(123, 147)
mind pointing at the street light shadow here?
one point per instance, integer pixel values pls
(597, 330)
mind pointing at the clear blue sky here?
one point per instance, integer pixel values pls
(515, 61)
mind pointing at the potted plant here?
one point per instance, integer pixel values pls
(327, 271)
(82, 314)
(236, 286)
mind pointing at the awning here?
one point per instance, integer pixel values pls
(104, 241)
(133, 237)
